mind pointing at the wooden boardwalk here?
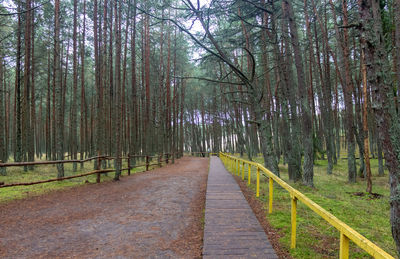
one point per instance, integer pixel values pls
(231, 228)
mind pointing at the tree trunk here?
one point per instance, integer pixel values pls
(134, 105)
(3, 157)
(58, 91)
(307, 129)
(365, 124)
(386, 116)
(83, 122)
(17, 102)
(396, 11)
(117, 103)
(32, 132)
(74, 110)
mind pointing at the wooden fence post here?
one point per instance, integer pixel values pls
(159, 158)
(98, 168)
(258, 183)
(129, 164)
(344, 246)
(271, 194)
(166, 158)
(249, 175)
(243, 170)
(147, 163)
(293, 220)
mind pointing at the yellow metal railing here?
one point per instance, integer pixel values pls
(346, 232)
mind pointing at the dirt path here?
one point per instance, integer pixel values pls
(157, 214)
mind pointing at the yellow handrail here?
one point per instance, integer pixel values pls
(346, 232)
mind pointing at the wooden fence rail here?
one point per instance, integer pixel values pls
(346, 232)
(98, 171)
(51, 162)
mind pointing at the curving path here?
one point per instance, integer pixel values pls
(157, 214)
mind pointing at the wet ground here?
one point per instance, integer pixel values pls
(155, 214)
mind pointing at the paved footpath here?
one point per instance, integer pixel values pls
(231, 228)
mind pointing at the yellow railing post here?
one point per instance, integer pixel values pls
(236, 166)
(293, 219)
(271, 194)
(258, 182)
(243, 170)
(344, 247)
(249, 175)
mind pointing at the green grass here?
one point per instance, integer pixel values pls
(315, 237)
(45, 172)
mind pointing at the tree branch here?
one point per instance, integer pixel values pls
(25, 11)
(209, 80)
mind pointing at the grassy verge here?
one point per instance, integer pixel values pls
(45, 172)
(315, 237)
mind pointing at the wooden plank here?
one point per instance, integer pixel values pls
(231, 229)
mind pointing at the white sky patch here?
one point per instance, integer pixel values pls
(196, 28)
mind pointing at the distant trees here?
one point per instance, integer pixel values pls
(89, 78)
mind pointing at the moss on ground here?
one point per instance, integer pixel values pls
(315, 237)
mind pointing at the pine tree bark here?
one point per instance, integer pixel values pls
(307, 128)
(33, 131)
(289, 93)
(3, 157)
(59, 124)
(168, 96)
(146, 128)
(48, 111)
(27, 84)
(74, 110)
(346, 83)
(386, 116)
(117, 102)
(134, 110)
(396, 11)
(17, 102)
(365, 124)
(84, 121)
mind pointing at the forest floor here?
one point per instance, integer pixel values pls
(45, 172)
(135, 217)
(315, 237)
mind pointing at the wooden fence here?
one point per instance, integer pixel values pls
(97, 171)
